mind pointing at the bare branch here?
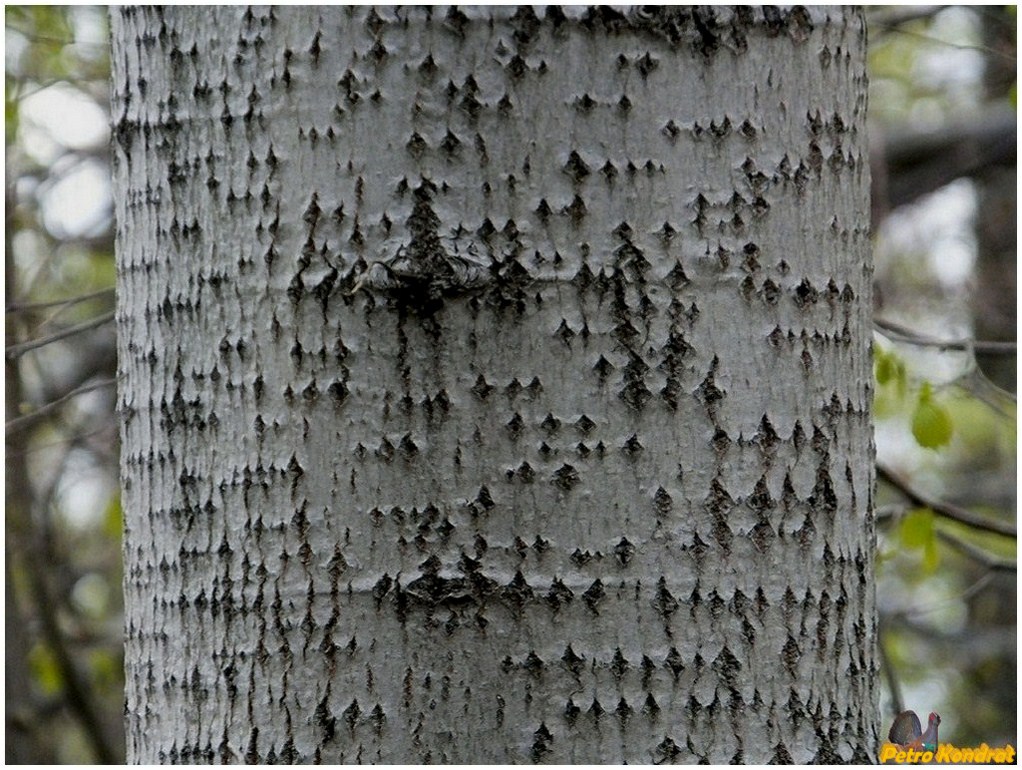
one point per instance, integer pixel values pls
(16, 351)
(947, 510)
(905, 334)
(988, 560)
(918, 162)
(20, 307)
(897, 701)
(25, 421)
(889, 19)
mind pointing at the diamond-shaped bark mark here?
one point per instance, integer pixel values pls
(670, 391)
(486, 229)
(351, 714)
(382, 588)
(603, 368)
(576, 210)
(550, 424)
(326, 720)
(666, 234)
(671, 130)
(580, 558)
(623, 710)
(760, 499)
(807, 360)
(576, 168)
(515, 426)
(677, 278)
(708, 390)
(721, 531)
(518, 592)
(541, 740)
(728, 668)
(650, 707)
(662, 502)
(558, 595)
(450, 143)
(533, 664)
(805, 294)
(770, 292)
(416, 145)
(646, 64)
(790, 655)
(565, 332)
(338, 392)
(484, 499)
(648, 667)
(722, 129)
(632, 447)
(666, 752)
(516, 67)
(525, 473)
(619, 665)
(543, 210)
(635, 394)
(625, 332)
(408, 447)
(766, 436)
(572, 661)
(482, 389)
(721, 441)
(566, 478)
(663, 601)
(513, 388)
(673, 663)
(594, 595)
(584, 425)
(571, 712)
(471, 106)
(624, 551)
(678, 346)
(823, 496)
(385, 451)
(609, 171)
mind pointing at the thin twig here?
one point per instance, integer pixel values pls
(16, 351)
(956, 46)
(890, 19)
(19, 423)
(897, 701)
(945, 509)
(905, 334)
(19, 307)
(991, 562)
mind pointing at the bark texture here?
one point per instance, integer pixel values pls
(496, 384)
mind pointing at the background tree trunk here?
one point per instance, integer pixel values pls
(496, 387)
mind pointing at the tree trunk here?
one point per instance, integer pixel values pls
(496, 387)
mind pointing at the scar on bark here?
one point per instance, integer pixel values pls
(423, 273)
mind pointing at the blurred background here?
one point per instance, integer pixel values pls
(943, 130)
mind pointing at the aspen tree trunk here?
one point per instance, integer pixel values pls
(496, 384)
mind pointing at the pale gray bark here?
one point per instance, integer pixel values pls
(496, 387)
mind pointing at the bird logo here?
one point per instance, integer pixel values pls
(907, 732)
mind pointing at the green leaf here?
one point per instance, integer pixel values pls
(113, 518)
(931, 422)
(45, 670)
(885, 366)
(931, 556)
(917, 528)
